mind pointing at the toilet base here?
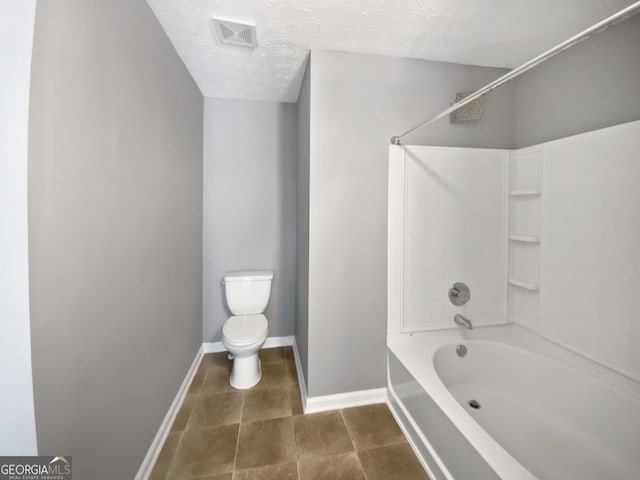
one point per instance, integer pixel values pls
(246, 372)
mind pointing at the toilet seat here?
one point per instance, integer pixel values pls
(245, 329)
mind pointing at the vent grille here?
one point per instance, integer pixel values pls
(234, 33)
(471, 111)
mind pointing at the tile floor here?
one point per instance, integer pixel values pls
(261, 434)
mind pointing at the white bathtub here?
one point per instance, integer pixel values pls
(545, 413)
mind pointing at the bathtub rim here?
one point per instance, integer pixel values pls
(510, 335)
(520, 337)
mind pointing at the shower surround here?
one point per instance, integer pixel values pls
(545, 238)
(454, 230)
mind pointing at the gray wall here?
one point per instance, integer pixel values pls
(357, 103)
(302, 224)
(249, 205)
(593, 85)
(115, 230)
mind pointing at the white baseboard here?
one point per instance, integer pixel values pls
(337, 401)
(345, 400)
(272, 342)
(165, 427)
(301, 381)
(213, 347)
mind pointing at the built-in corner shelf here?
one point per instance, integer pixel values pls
(524, 238)
(525, 192)
(531, 286)
(524, 196)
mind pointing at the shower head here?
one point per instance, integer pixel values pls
(471, 111)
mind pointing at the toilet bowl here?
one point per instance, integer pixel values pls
(243, 334)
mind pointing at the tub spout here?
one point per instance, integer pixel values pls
(463, 321)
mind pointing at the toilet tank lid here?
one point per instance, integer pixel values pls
(248, 275)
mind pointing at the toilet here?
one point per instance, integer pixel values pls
(247, 294)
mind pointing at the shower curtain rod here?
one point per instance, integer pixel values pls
(597, 28)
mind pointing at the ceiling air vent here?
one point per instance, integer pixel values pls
(234, 33)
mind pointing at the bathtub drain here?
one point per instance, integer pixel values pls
(474, 404)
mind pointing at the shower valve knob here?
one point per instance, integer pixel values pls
(459, 294)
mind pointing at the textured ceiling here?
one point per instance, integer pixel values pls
(500, 33)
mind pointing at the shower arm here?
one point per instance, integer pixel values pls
(534, 62)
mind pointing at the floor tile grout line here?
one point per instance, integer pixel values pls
(193, 407)
(244, 403)
(257, 467)
(290, 417)
(374, 447)
(364, 474)
(346, 424)
(235, 458)
(403, 438)
(181, 432)
(173, 455)
(353, 442)
(295, 443)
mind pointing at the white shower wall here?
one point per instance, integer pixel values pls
(590, 253)
(547, 237)
(454, 230)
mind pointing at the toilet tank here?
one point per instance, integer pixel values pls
(247, 292)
